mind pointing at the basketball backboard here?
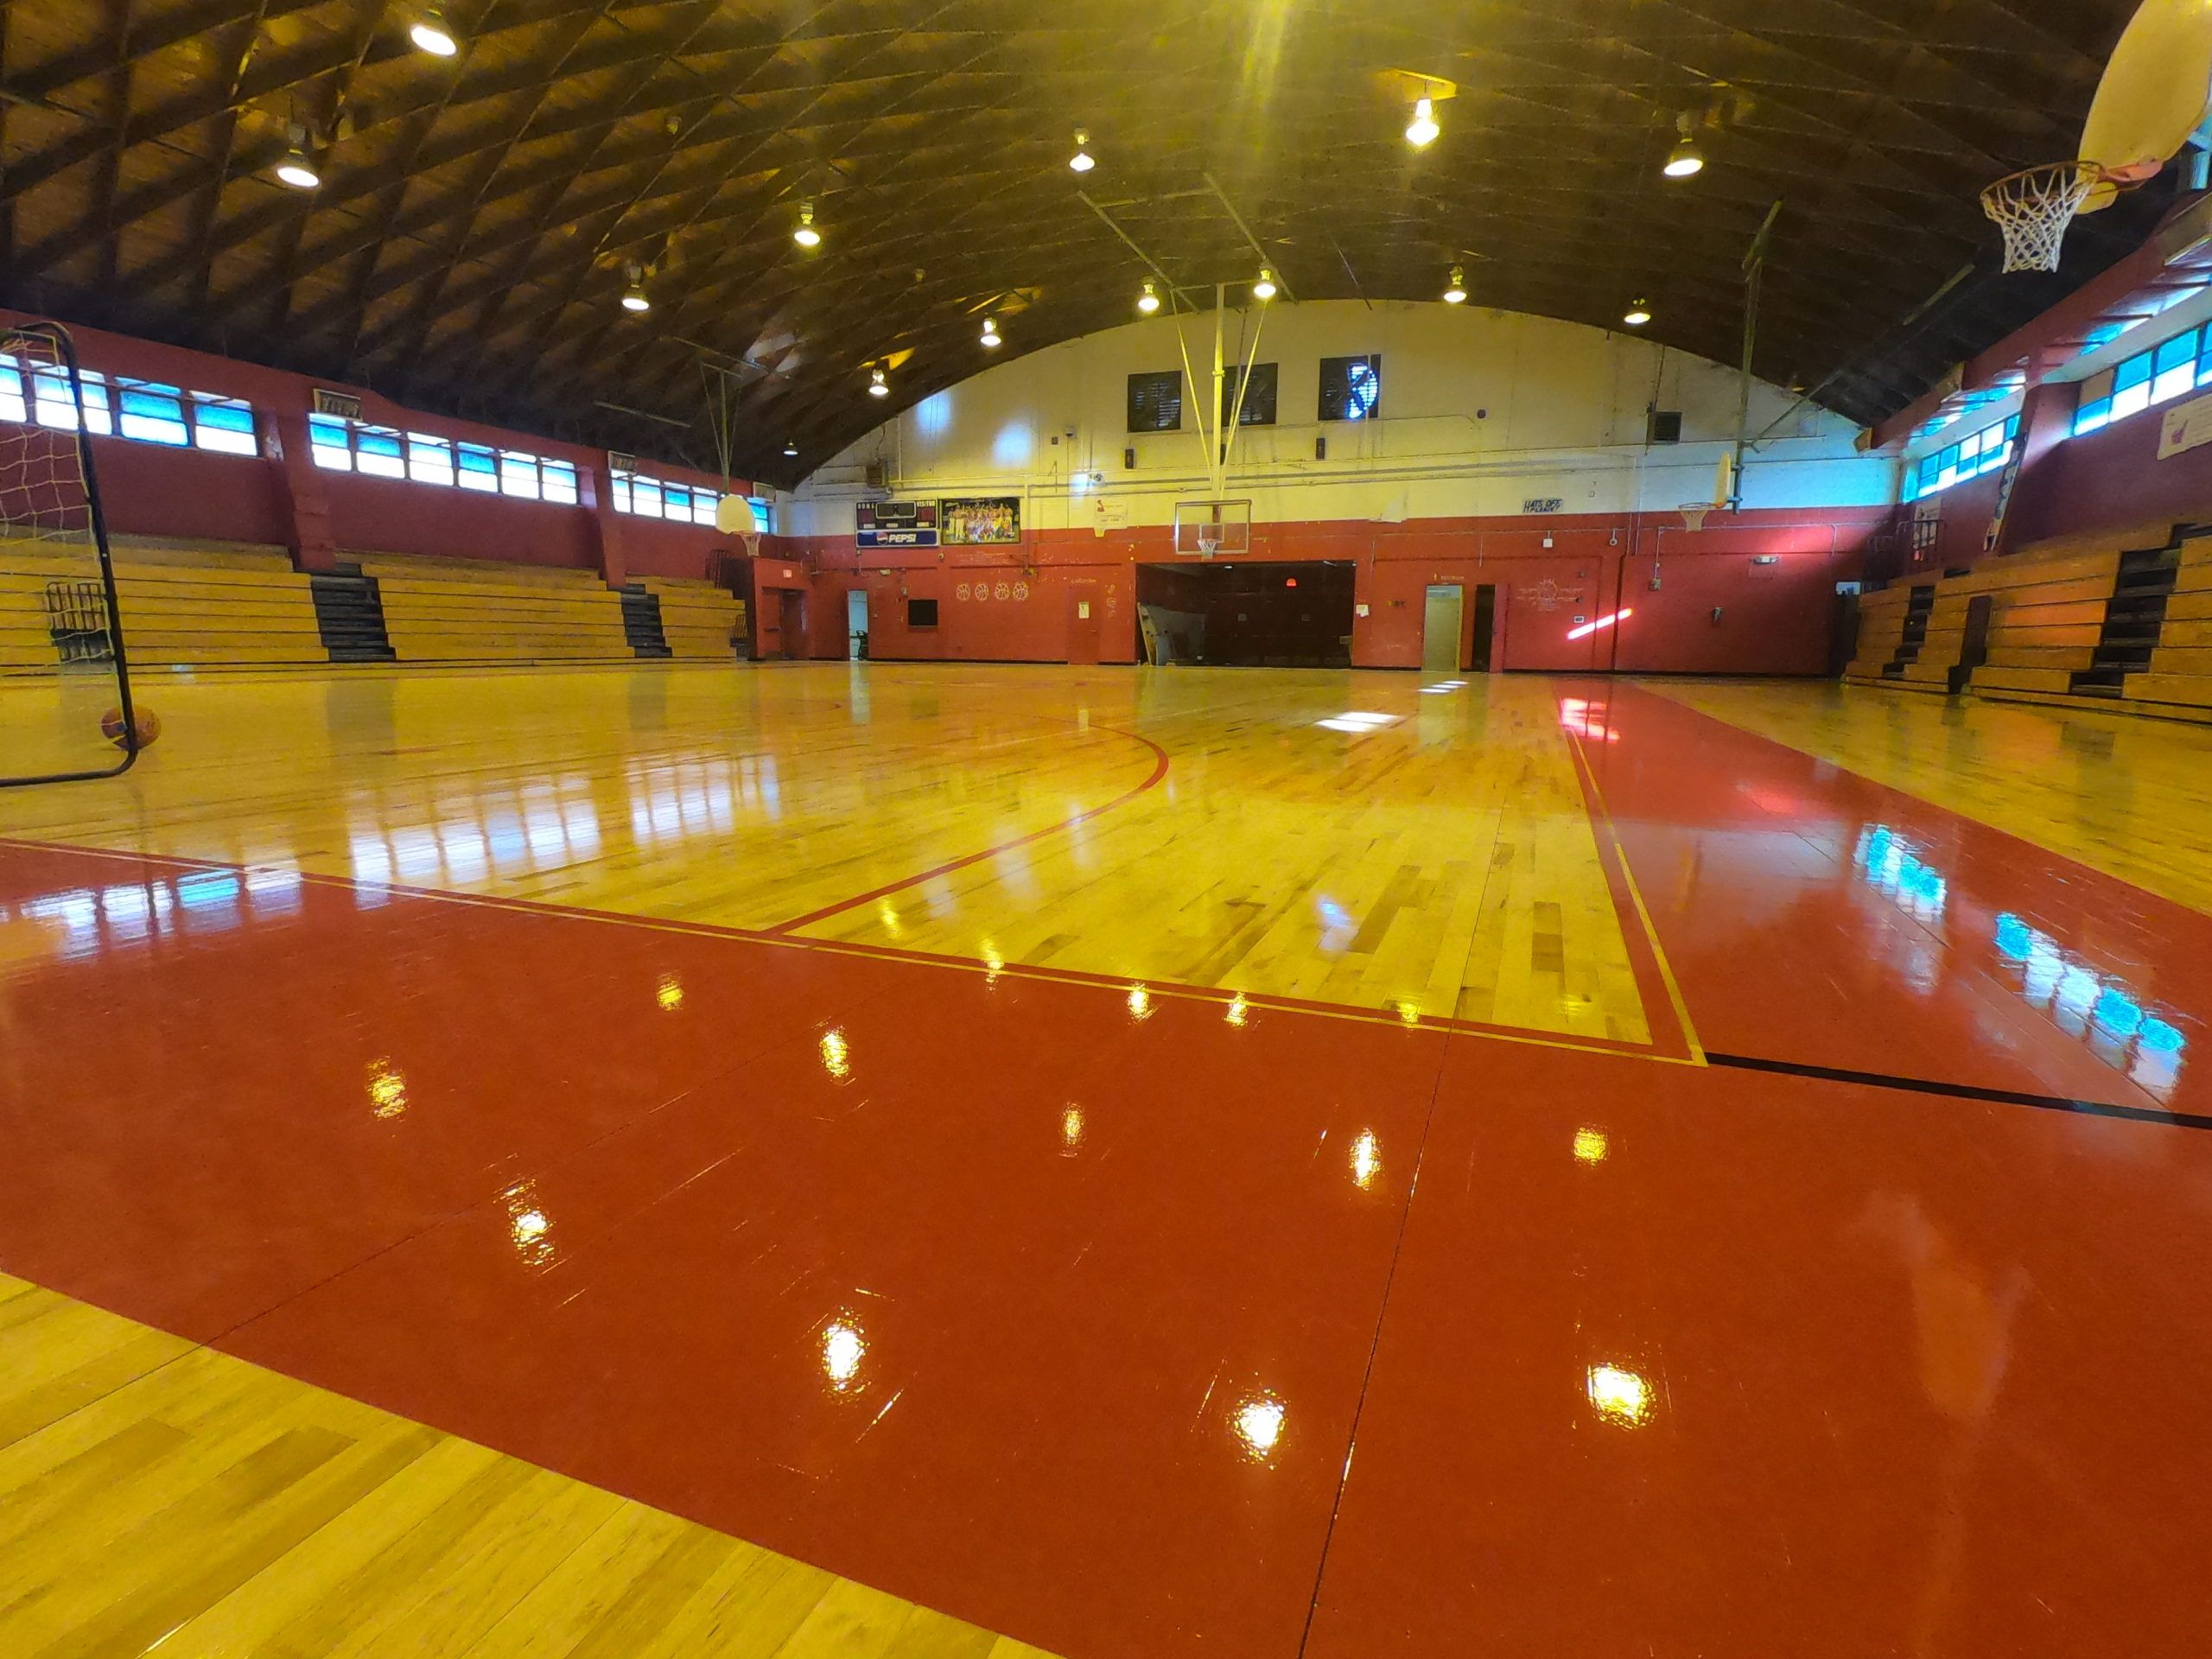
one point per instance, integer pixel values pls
(1212, 529)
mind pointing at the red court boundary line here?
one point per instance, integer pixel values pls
(1159, 772)
(1655, 983)
(1263, 1001)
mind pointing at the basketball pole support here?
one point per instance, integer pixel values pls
(66, 349)
(1754, 281)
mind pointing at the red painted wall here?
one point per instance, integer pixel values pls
(148, 490)
(1775, 619)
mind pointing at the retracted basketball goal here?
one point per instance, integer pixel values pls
(65, 711)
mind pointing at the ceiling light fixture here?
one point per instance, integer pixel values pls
(791, 449)
(430, 33)
(296, 170)
(1148, 302)
(1687, 160)
(1082, 160)
(1457, 293)
(1638, 314)
(991, 333)
(1264, 289)
(634, 297)
(806, 236)
(878, 385)
(1423, 130)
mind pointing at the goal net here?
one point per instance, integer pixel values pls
(66, 710)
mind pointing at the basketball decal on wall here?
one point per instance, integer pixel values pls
(1021, 590)
(1003, 591)
(961, 592)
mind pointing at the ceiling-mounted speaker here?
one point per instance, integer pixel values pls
(878, 475)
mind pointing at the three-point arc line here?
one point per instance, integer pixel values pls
(1159, 772)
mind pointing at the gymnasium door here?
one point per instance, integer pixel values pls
(790, 622)
(856, 623)
(1083, 622)
(1440, 630)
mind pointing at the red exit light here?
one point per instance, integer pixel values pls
(1290, 581)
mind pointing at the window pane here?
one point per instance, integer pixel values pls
(518, 474)
(430, 460)
(479, 468)
(227, 427)
(2092, 416)
(760, 517)
(12, 407)
(622, 492)
(154, 415)
(377, 452)
(645, 498)
(2134, 372)
(2097, 388)
(2133, 398)
(675, 503)
(2181, 349)
(333, 443)
(58, 408)
(560, 480)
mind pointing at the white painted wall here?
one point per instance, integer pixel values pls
(1482, 410)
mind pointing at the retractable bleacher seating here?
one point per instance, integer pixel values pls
(465, 610)
(195, 605)
(700, 621)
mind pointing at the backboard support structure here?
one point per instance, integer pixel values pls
(1213, 528)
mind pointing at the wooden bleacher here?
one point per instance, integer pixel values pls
(2075, 622)
(197, 605)
(457, 610)
(700, 621)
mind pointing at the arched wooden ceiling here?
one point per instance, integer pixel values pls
(467, 248)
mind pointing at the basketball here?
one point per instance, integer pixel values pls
(150, 727)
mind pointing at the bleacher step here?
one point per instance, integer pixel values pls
(349, 615)
(641, 622)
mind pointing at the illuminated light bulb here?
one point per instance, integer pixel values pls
(1686, 160)
(296, 170)
(430, 33)
(991, 333)
(634, 297)
(806, 236)
(1591, 1146)
(878, 385)
(1620, 1396)
(1457, 293)
(1264, 289)
(791, 449)
(1259, 1425)
(1638, 314)
(1148, 302)
(1424, 128)
(1082, 160)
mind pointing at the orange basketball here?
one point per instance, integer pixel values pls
(150, 727)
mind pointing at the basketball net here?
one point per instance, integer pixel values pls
(1209, 540)
(2035, 207)
(1693, 514)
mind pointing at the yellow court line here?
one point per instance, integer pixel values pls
(1260, 1001)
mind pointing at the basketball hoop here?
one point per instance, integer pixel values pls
(2035, 207)
(1208, 541)
(1693, 514)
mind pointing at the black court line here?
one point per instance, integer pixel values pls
(1965, 1091)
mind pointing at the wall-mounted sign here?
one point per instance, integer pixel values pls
(1544, 504)
(2187, 426)
(896, 523)
(979, 521)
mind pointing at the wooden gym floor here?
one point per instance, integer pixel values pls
(917, 1161)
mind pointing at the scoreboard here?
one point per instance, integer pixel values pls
(896, 524)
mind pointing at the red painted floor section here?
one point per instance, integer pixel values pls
(1179, 1329)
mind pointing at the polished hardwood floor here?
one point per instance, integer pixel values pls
(158, 1494)
(916, 1160)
